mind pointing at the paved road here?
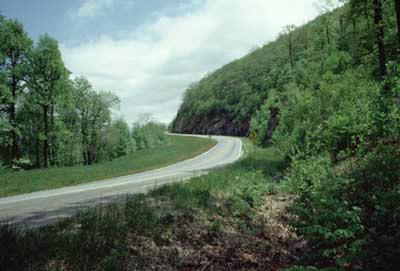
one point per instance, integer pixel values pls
(45, 207)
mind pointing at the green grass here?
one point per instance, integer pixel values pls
(3, 169)
(211, 220)
(177, 149)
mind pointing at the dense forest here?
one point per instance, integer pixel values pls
(327, 95)
(48, 119)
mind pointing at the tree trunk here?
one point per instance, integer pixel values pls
(46, 135)
(272, 124)
(380, 36)
(84, 148)
(13, 122)
(14, 136)
(52, 139)
(341, 24)
(367, 14)
(328, 39)
(289, 29)
(397, 6)
(84, 138)
(92, 146)
(305, 41)
(38, 152)
(322, 38)
(291, 52)
(325, 23)
(354, 29)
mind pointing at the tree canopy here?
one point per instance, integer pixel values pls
(48, 119)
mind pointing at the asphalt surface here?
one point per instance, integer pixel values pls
(46, 207)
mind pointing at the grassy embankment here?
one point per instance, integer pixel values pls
(230, 219)
(176, 149)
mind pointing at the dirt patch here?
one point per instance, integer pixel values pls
(261, 241)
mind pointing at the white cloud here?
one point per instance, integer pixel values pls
(91, 8)
(151, 67)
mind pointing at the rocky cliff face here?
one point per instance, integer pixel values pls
(218, 125)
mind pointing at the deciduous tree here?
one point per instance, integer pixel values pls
(380, 35)
(15, 47)
(288, 35)
(397, 7)
(48, 75)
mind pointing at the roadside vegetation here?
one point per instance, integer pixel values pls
(327, 96)
(232, 218)
(174, 149)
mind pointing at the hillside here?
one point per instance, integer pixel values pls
(327, 95)
(224, 101)
(236, 98)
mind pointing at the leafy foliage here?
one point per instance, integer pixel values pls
(148, 133)
(326, 94)
(50, 120)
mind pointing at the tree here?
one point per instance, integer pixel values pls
(15, 47)
(80, 108)
(397, 7)
(288, 34)
(147, 132)
(91, 121)
(379, 29)
(97, 119)
(325, 8)
(303, 36)
(48, 75)
(120, 138)
(46, 117)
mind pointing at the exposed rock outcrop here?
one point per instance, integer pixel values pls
(218, 125)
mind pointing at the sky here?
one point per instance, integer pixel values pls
(148, 51)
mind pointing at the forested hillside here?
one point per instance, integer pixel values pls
(47, 118)
(228, 100)
(327, 95)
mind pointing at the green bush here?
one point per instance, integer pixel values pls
(309, 175)
(324, 215)
(377, 190)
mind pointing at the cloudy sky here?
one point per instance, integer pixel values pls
(149, 51)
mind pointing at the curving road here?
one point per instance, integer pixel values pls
(45, 207)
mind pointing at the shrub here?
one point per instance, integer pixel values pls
(324, 214)
(21, 164)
